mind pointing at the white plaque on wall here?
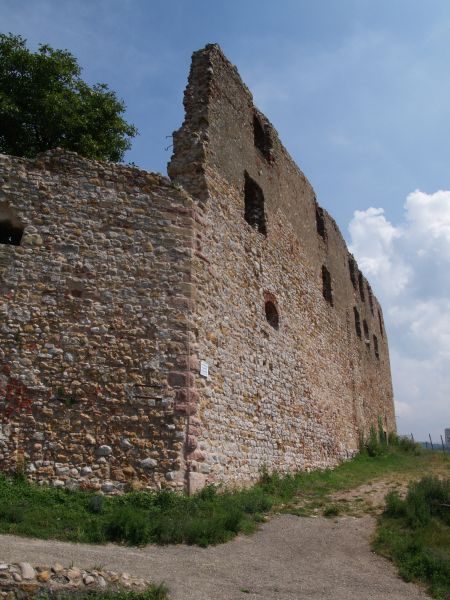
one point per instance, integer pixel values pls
(204, 368)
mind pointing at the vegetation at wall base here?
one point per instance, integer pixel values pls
(415, 534)
(153, 592)
(212, 516)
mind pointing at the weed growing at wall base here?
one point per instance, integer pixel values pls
(212, 516)
(415, 534)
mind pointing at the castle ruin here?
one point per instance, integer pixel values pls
(184, 331)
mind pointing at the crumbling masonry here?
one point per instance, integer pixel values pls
(173, 333)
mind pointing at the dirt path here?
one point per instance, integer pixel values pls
(290, 558)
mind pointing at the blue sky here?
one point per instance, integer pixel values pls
(359, 93)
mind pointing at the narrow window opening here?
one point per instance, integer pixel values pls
(375, 346)
(320, 222)
(272, 314)
(369, 291)
(11, 230)
(254, 205)
(380, 320)
(261, 137)
(10, 234)
(357, 322)
(366, 333)
(326, 283)
(352, 269)
(361, 286)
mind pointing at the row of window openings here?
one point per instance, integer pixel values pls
(366, 332)
(357, 279)
(328, 295)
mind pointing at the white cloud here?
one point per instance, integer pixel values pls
(408, 268)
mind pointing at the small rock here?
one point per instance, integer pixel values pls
(101, 582)
(74, 573)
(3, 566)
(17, 577)
(86, 471)
(57, 568)
(88, 580)
(104, 451)
(57, 483)
(27, 570)
(126, 444)
(90, 439)
(148, 463)
(108, 487)
(43, 576)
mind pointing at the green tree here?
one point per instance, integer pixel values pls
(45, 104)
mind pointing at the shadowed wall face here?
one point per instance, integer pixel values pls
(302, 393)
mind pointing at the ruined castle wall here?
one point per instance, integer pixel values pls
(294, 397)
(93, 323)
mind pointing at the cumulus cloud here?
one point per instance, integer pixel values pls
(408, 266)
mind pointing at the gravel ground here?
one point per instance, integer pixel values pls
(290, 558)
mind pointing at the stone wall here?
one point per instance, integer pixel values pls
(93, 323)
(116, 284)
(302, 394)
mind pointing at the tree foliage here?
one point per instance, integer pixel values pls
(45, 104)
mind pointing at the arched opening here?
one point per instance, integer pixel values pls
(254, 205)
(272, 315)
(11, 230)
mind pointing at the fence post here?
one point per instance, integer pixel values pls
(431, 441)
(442, 441)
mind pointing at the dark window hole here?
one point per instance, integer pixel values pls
(272, 314)
(254, 205)
(375, 346)
(369, 291)
(361, 286)
(352, 269)
(10, 234)
(380, 320)
(366, 332)
(261, 137)
(326, 285)
(357, 322)
(320, 222)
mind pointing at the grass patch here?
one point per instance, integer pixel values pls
(209, 517)
(153, 592)
(415, 534)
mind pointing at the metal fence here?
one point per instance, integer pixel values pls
(435, 446)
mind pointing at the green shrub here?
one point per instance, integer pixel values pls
(415, 533)
(127, 525)
(96, 504)
(395, 506)
(331, 511)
